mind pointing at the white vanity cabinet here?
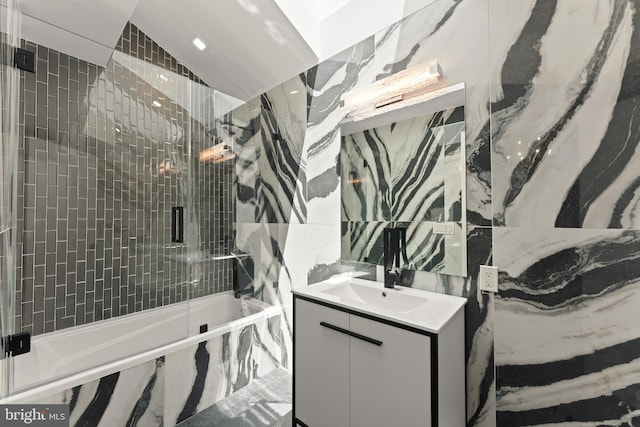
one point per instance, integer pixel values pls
(321, 366)
(390, 377)
(353, 369)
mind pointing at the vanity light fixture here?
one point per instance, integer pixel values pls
(407, 87)
(199, 44)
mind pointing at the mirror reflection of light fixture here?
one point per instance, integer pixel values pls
(400, 88)
(357, 181)
(217, 154)
(166, 167)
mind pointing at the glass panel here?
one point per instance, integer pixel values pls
(211, 171)
(143, 195)
(105, 161)
(9, 137)
(245, 160)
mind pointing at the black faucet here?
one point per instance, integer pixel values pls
(395, 245)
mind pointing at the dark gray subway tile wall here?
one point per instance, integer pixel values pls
(99, 169)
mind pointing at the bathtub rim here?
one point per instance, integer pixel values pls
(150, 312)
(101, 342)
(62, 383)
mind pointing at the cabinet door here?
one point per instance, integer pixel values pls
(321, 366)
(390, 383)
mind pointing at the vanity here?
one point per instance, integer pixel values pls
(368, 356)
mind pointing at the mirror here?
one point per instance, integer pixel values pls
(406, 167)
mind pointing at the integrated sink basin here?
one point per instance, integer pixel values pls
(429, 311)
(390, 299)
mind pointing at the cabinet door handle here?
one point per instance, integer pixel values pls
(351, 334)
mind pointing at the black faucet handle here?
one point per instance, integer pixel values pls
(392, 278)
(406, 277)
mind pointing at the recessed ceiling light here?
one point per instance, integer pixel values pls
(156, 104)
(293, 92)
(199, 44)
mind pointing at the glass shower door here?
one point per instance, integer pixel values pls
(211, 195)
(9, 94)
(100, 180)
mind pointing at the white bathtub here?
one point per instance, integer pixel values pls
(61, 360)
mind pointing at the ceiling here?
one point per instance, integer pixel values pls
(252, 45)
(322, 9)
(87, 29)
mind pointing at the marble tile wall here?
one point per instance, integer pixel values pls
(100, 167)
(551, 155)
(172, 388)
(551, 193)
(202, 375)
(267, 135)
(132, 397)
(565, 177)
(431, 33)
(300, 242)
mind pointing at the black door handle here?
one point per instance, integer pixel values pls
(351, 334)
(177, 224)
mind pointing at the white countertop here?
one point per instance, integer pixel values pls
(430, 312)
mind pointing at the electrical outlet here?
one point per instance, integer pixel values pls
(488, 280)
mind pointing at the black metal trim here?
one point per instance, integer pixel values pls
(368, 316)
(435, 382)
(293, 367)
(17, 344)
(24, 60)
(351, 334)
(297, 422)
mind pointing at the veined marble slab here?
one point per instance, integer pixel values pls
(563, 121)
(567, 345)
(133, 397)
